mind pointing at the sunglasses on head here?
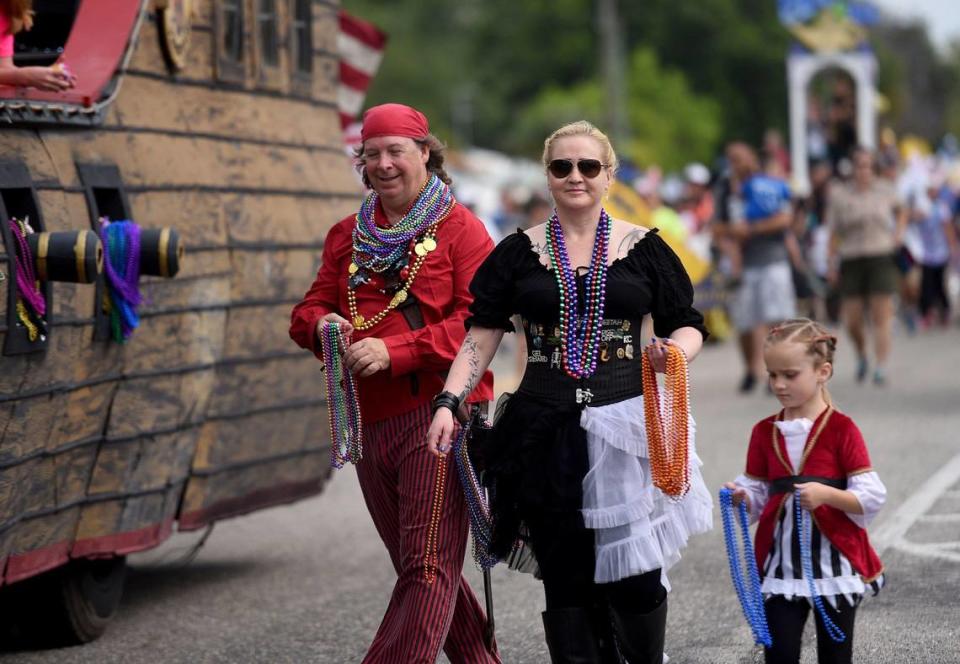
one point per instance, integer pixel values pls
(589, 168)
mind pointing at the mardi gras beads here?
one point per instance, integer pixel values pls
(477, 507)
(121, 248)
(580, 333)
(667, 433)
(359, 321)
(748, 591)
(383, 249)
(379, 249)
(805, 532)
(343, 410)
(431, 560)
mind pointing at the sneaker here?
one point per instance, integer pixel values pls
(879, 377)
(863, 367)
(747, 384)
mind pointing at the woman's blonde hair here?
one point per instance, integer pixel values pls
(820, 343)
(20, 13)
(583, 128)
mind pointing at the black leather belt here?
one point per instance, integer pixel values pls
(786, 484)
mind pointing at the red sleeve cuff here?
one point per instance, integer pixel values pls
(400, 347)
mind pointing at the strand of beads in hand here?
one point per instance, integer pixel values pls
(667, 432)
(343, 409)
(805, 532)
(481, 523)
(748, 590)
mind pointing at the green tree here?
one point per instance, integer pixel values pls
(670, 125)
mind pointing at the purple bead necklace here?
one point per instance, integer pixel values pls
(580, 334)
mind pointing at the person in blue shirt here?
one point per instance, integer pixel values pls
(760, 217)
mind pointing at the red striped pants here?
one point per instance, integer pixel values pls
(398, 477)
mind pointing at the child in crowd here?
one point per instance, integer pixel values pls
(811, 447)
(17, 15)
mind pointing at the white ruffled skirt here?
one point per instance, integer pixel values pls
(637, 527)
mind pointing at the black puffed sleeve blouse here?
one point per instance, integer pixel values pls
(649, 280)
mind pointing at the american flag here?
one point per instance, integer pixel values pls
(361, 47)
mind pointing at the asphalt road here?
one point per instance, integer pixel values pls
(309, 582)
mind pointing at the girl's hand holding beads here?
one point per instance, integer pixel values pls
(813, 495)
(739, 495)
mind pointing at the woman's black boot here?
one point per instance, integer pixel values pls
(641, 635)
(571, 637)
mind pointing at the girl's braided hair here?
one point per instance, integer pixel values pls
(820, 343)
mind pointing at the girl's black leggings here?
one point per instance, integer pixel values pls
(786, 618)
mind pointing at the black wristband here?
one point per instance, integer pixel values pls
(445, 400)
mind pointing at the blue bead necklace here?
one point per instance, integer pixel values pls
(805, 532)
(477, 507)
(748, 591)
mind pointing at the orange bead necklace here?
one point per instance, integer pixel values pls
(667, 432)
(431, 559)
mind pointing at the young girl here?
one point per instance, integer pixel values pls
(17, 15)
(812, 447)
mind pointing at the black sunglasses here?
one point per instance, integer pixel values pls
(589, 168)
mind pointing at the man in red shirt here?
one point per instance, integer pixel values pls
(395, 276)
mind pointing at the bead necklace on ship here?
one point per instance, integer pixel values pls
(388, 250)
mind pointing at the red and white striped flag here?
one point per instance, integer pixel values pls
(361, 47)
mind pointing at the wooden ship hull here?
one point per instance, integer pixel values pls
(208, 410)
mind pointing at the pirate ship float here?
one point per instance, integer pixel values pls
(215, 122)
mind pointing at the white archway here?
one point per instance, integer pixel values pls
(801, 68)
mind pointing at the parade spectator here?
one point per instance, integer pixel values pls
(765, 294)
(842, 122)
(697, 207)
(819, 452)
(729, 206)
(536, 211)
(817, 149)
(866, 224)
(814, 297)
(406, 324)
(568, 456)
(17, 15)
(509, 217)
(775, 154)
(938, 246)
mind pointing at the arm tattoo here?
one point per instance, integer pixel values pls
(630, 239)
(469, 349)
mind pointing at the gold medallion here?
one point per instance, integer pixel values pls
(419, 249)
(429, 243)
(358, 320)
(401, 296)
(353, 268)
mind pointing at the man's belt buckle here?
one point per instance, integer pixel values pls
(584, 396)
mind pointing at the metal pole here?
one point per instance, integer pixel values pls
(613, 68)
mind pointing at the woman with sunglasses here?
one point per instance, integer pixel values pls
(567, 458)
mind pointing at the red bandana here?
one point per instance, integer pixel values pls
(394, 120)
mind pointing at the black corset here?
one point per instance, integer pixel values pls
(616, 378)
